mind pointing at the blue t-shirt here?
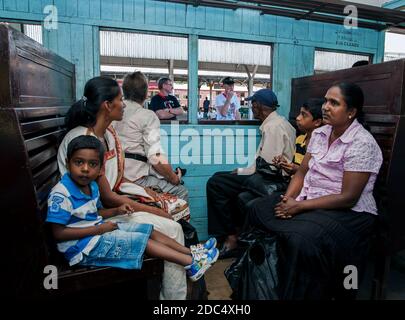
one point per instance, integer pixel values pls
(69, 206)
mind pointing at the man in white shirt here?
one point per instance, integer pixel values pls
(139, 133)
(223, 189)
(227, 103)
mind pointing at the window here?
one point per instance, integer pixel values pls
(326, 61)
(394, 46)
(34, 31)
(248, 65)
(156, 56)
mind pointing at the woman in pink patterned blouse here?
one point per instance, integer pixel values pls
(325, 218)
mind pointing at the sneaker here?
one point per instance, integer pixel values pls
(210, 255)
(204, 247)
(201, 263)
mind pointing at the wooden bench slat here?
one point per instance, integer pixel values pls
(49, 170)
(42, 157)
(40, 141)
(35, 126)
(29, 113)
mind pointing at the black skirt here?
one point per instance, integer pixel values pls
(315, 247)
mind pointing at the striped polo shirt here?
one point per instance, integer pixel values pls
(300, 149)
(69, 206)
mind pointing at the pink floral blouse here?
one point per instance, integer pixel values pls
(356, 150)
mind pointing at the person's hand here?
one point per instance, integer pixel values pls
(287, 208)
(150, 192)
(179, 176)
(229, 95)
(276, 160)
(124, 209)
(107, 226)
(290, 168)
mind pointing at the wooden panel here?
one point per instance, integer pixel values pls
(31, 61)
(71, 8)
(95, 9)
(42, 157)
(35, 126)
(377, 80)
(29, 113)
(43, 175)
(46, 139)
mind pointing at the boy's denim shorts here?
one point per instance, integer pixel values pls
(121, 248)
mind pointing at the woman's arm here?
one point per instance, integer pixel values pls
(297, 181)
(63, 233)
(111, 199)
(352, 187)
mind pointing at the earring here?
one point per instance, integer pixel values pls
(350, 117)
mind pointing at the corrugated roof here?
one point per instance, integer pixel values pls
(148, 46)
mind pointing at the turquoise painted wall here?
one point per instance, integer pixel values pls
(294, 43)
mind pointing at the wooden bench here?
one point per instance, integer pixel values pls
(36, 89)
(384, 90)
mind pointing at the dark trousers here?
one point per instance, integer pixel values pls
(225, 195)
(315, 246)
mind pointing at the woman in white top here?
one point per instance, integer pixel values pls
(92, 115)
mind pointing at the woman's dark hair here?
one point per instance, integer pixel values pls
(85, 142)
(96, 91)
(135, 87)
(354, 98)
(314, 107)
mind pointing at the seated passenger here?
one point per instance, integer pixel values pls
(92, 115)
(309, 119)
(76, 215)
(278, 137)
(325, 218)
(139, 133)
(165, 104)
(227, 103)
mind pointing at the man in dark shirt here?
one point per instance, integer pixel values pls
(206, 106)
(164, 104)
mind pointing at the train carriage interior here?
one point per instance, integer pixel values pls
(295, 49)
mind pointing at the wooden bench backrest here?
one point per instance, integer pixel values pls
(36, 90)
(384, 90)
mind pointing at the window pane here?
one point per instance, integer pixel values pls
(247, 65)
(326, 61)
(156, 56)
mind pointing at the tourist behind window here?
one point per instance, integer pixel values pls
(227, 103)
(165, 104)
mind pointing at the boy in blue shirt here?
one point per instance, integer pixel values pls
(76, 215)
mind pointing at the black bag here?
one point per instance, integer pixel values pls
(268, 170)
(195, 290)
(267, 179)
(254, 276)
(190, 233)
